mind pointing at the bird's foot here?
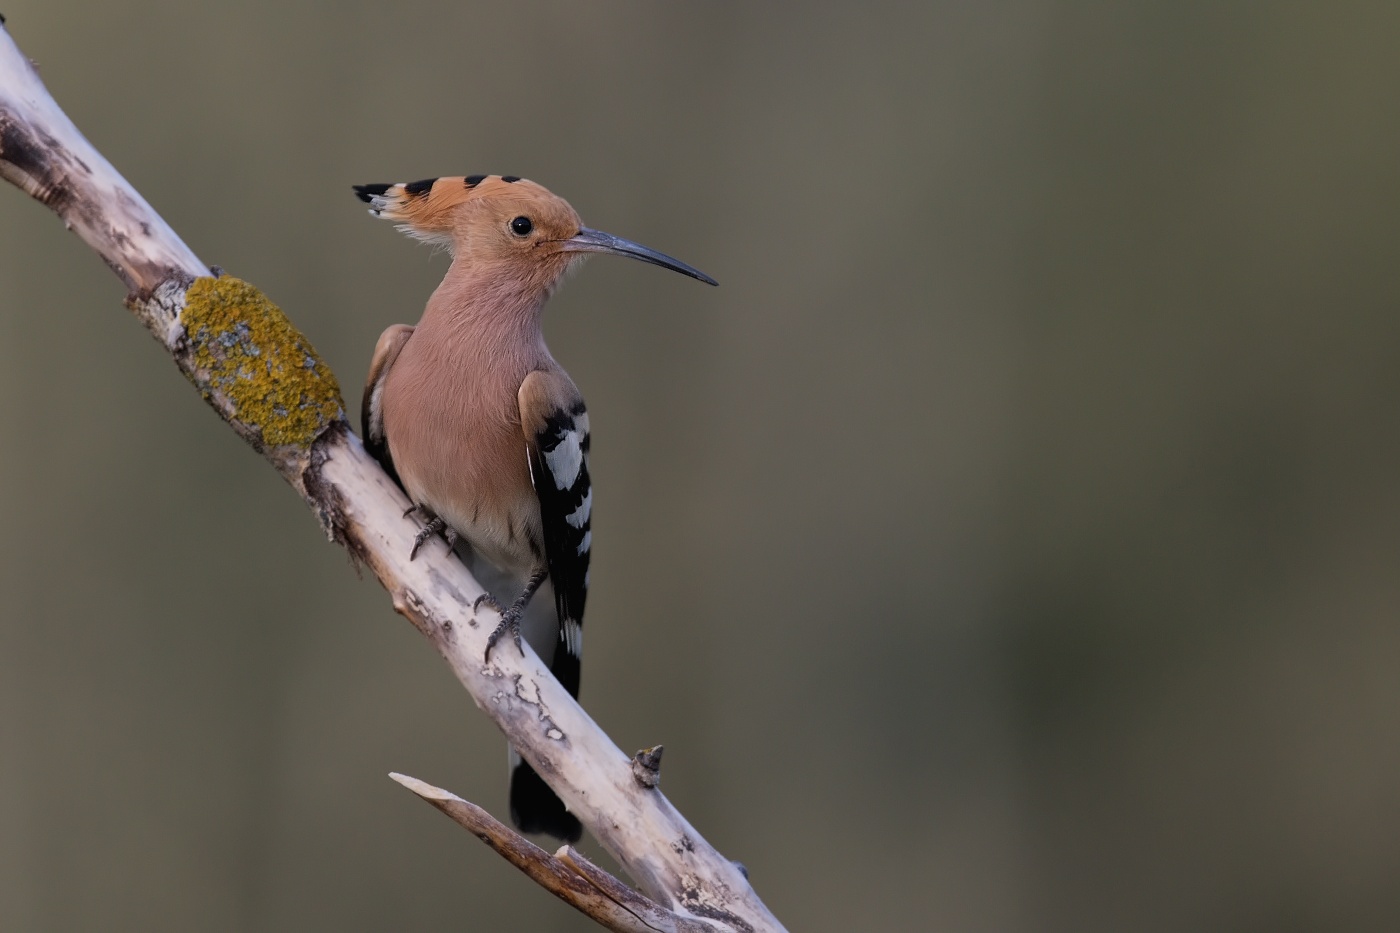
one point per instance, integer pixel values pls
(435, 526)
(489, 600)
(510, 622)
(510, 618)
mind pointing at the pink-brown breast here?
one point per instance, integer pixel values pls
(452, 421)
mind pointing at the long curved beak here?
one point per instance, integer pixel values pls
(596, 241)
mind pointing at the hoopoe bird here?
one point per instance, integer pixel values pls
(475, 420)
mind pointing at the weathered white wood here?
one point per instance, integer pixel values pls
(566, 874)
(667, 858)
(42, 152)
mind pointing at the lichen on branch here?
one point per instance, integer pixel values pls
(248, 360)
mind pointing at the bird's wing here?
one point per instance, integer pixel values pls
(555, 424)
(372, 407)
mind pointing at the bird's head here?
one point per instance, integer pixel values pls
(505, 226)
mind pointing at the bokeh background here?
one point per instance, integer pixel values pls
(1011, 543)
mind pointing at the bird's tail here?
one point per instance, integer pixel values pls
(534, 808)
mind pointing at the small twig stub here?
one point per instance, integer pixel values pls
(646, 766)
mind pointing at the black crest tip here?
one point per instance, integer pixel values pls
(474, 180)
(367, 192)
(510, 179)
(417, 188)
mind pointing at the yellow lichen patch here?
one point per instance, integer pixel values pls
(245, 350)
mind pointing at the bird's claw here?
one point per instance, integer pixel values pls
(435, 526)
(510, 621)
(510, 618)
(489, 600)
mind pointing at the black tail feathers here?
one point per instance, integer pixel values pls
(534, 808)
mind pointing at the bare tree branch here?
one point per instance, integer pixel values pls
(265, 379)
(566, 874)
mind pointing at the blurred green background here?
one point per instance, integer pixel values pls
(1009, 544)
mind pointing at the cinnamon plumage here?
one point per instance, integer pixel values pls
(482, 428)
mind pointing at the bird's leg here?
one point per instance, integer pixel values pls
(434, 526)
(510, 619)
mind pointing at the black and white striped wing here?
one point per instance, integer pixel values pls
(558, 457)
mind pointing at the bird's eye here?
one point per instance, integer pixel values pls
(521, 226)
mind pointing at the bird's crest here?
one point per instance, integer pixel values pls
(424, 209)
